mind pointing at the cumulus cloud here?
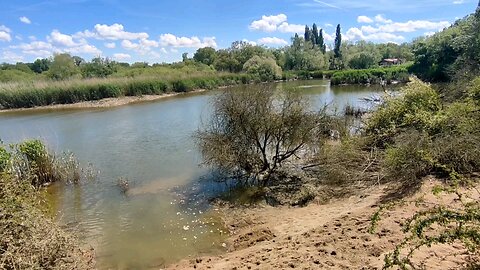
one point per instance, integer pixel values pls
(186, 42)
(380, 19)
(110, 45)
(355, 34)
(61, 39)
(5, 33)
(275, 23)
(11, 57)
(386, 30)
(25, 20)
(121, 56)
(111, 32)
(364, 19)
(272, 41)
(143, 47)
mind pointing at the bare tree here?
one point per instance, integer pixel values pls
(253, 131)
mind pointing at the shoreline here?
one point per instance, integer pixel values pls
(103, 103)
(334, 235)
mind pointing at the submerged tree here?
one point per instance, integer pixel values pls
(253, 132)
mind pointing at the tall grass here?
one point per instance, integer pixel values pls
(43, 93)
(371, 76)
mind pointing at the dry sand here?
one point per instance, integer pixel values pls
(329, 236)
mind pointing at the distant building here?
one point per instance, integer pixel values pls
(390, 62)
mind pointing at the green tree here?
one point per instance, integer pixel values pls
(41, 65)
(362, 61)
(205, 55)
(338, 43)
(315, 35)
(184, 57)
(321, 42)
(98, 67)
(308, 34)
(63, 67)
(263, 67)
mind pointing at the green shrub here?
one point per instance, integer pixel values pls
(416, 109)
(4, 158)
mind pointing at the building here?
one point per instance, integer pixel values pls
(390, 62)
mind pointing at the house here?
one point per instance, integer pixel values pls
(390, 62)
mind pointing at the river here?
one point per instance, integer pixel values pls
(165, 216)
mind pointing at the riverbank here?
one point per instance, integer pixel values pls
(104, 103)
(334, 235)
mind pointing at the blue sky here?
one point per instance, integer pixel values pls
(160, 31)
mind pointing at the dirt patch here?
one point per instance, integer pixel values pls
(330, 236)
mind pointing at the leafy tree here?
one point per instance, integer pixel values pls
(362, 61)
(321, 42)
(263, 67)
(184, 57)
(315, 35)
(41, 65)
(338, 43)
(308, 34)
(98, 67)
(62, 67)
(253, 132)
(78, 61)
(301, 56)
(205, 55)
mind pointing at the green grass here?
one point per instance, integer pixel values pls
(372, 76)
(43, 93)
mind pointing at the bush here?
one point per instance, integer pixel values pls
(252, 132)
(369, 76)
(416, 109)
(263, 67)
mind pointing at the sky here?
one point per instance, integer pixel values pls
(157, 31)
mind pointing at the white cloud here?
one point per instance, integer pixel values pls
(84, 49)
(25, 20)
(5, 33)
(406, 27)
(60, 39)
(253, 43)
(143, 47)
(364, 19)
(355, 34)
(111, 32)
(275, 23)
(380, 19)
(121, 56)
(110, 45)
(163, 50)
(328, 25)
(268, 23)
(11, 57)
(429, 33)
(458, 2)
(32, 38)
(272, 41)
(186, 42)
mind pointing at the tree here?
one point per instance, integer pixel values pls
(308, 34)
(315, 35)
(41, 65)
(362, 61)
(185, 57)
(98, 67)
(253, 132)
(78, 61)
(264, 67)
(205, 55)
(63, 67)
(321, 42)
(338, 43)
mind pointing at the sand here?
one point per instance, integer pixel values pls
(329, 236)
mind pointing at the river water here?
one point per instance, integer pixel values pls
(165, 215)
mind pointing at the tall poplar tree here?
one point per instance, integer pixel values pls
(321, 42)
(308, 34)
(314, 36)
(338, 43)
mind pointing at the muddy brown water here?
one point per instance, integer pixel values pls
(165, 215)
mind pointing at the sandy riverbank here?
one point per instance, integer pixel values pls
(328, 236)
(104, 103)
